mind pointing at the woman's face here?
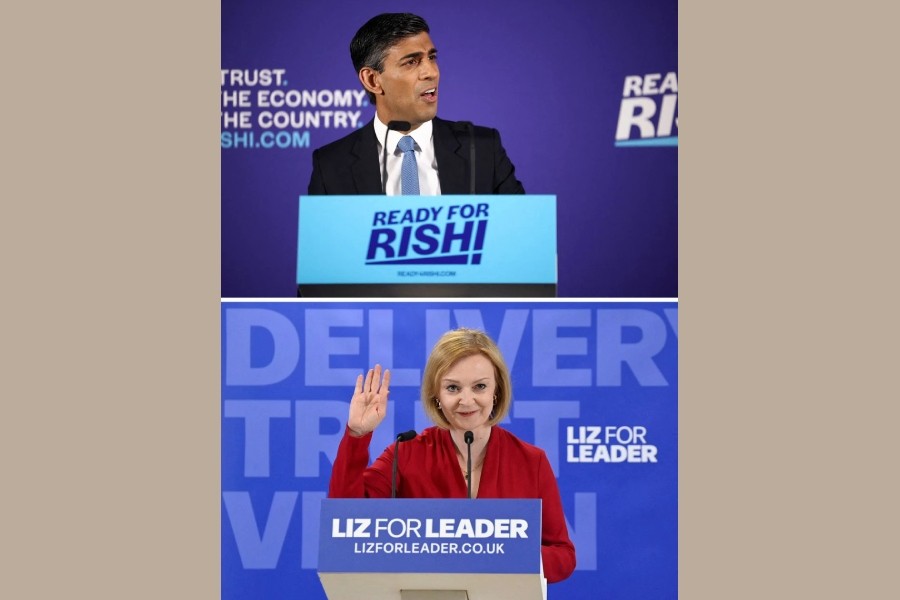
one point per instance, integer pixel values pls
(466, 392)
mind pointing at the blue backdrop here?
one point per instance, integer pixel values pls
(593, 383)
(583, 93)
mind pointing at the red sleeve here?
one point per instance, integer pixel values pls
(351, 477)
(557, 550)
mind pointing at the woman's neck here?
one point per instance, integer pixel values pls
(479, 444)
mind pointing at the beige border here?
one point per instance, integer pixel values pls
(787, 258)
(110, 442)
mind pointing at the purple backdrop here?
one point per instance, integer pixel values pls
(550, 76)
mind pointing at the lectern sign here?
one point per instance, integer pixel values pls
(427, 239)
(413, 536)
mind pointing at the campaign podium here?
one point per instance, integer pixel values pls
(429, 549)
(427, 246)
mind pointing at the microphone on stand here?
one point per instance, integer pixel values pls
(469, 438)
(396, 126)
(403, 437)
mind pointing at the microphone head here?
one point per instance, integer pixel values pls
(399, 125)
(406, 435)
(469, 437)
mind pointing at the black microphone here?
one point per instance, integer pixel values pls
(470, 129)
(469, 438)
(396, 126)
(403, 437)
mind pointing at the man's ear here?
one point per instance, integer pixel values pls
(371, 80)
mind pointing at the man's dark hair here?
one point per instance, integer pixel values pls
(372, 42)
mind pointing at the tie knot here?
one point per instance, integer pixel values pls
(406, 143)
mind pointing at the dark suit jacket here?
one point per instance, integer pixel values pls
(350, 165)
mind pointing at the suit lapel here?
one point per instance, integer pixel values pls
(366, 177)
(452, 162)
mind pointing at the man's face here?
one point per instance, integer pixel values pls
(409, 82)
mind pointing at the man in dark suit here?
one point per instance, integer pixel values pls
(396, 62)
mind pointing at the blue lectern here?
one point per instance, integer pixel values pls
(404, 549)
(427, 246)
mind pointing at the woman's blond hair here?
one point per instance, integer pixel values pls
(453, 346)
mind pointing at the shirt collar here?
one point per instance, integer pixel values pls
(422, 135)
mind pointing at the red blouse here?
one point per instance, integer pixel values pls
(428, 468)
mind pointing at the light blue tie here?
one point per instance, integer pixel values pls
(409, 174)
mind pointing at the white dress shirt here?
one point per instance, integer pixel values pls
(426, 163)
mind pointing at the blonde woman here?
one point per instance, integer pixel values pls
(465, 388)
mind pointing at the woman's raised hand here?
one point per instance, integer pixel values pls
(369, 403)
